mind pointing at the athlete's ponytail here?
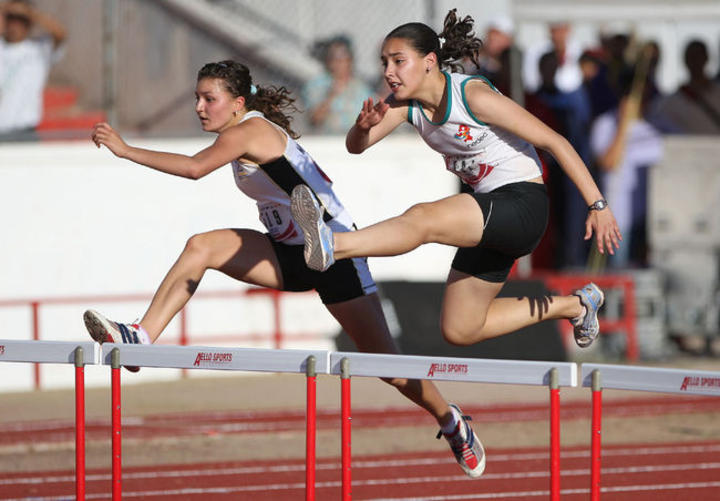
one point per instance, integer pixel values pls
(271, 101)
(459, 43)
(455, 43)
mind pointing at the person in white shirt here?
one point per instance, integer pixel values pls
(25, 63)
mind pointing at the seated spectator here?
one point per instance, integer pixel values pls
(24, 67)
(335, 98)
(695, 107)
(626, 145)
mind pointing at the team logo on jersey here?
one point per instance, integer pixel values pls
(463, 133)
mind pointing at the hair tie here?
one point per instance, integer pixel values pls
(253, 89)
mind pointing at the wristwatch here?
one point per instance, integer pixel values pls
(598, 204)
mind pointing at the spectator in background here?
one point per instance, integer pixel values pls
(601, 95)
(626, 145)
(568, 76)
(24, 67)
(500, 59)
(570, 112)
(333, 98)
(695, 107)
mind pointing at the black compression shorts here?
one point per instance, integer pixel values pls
(346, 279)
(515, 219)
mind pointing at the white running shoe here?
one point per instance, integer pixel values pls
(103, 330)
(586, 327)
(319, 240)
(465, 444)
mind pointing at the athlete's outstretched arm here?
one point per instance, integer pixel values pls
(227, 147)
(493, 108)
(375, 121)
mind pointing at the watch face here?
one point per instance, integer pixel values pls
(599, 205)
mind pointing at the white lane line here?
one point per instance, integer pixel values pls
(449, 497)
(250, 470)
(526, 494)
(425, 479)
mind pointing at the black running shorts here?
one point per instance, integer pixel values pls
(346, 279)
(515, 219)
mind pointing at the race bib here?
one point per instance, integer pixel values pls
(278, 221)
(469, 168)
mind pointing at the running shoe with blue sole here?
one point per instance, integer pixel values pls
(319, 242)
(586, 327)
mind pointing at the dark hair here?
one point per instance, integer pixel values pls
(321, 48)
(271, 101)
(459, 40)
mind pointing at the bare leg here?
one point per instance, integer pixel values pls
(455, 220)
(245, 255)
(471, 312)
(363, 319)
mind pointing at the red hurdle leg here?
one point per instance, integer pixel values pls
(79, 425)
(345, 434)
(310, 427)
(595, 441)
(554, 436)
(116, 427)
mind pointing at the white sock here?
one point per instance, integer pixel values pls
(451, 425)
(142, 334)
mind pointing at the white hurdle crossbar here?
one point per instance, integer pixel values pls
(622, 377)
(683, 381)
(53, 352)
(476, 370)
(217, 358)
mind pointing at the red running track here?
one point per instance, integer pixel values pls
(653, 472)
(225, 422)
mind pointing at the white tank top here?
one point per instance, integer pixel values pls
(484, 156)
(271, 184)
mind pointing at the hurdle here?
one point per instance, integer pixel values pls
(311, 362)
(61, 352)
(551, 374)
(622, 377)
(308, 362)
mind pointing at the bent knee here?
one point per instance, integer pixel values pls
(462, 335)
(198, 246)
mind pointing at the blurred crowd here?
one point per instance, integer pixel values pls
(604, 99)
(606, 102)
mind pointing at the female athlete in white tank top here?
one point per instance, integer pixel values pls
(487, 140)
(254, 136)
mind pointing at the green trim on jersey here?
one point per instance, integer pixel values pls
(462, 91)
(448, 106)
(409, 115)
